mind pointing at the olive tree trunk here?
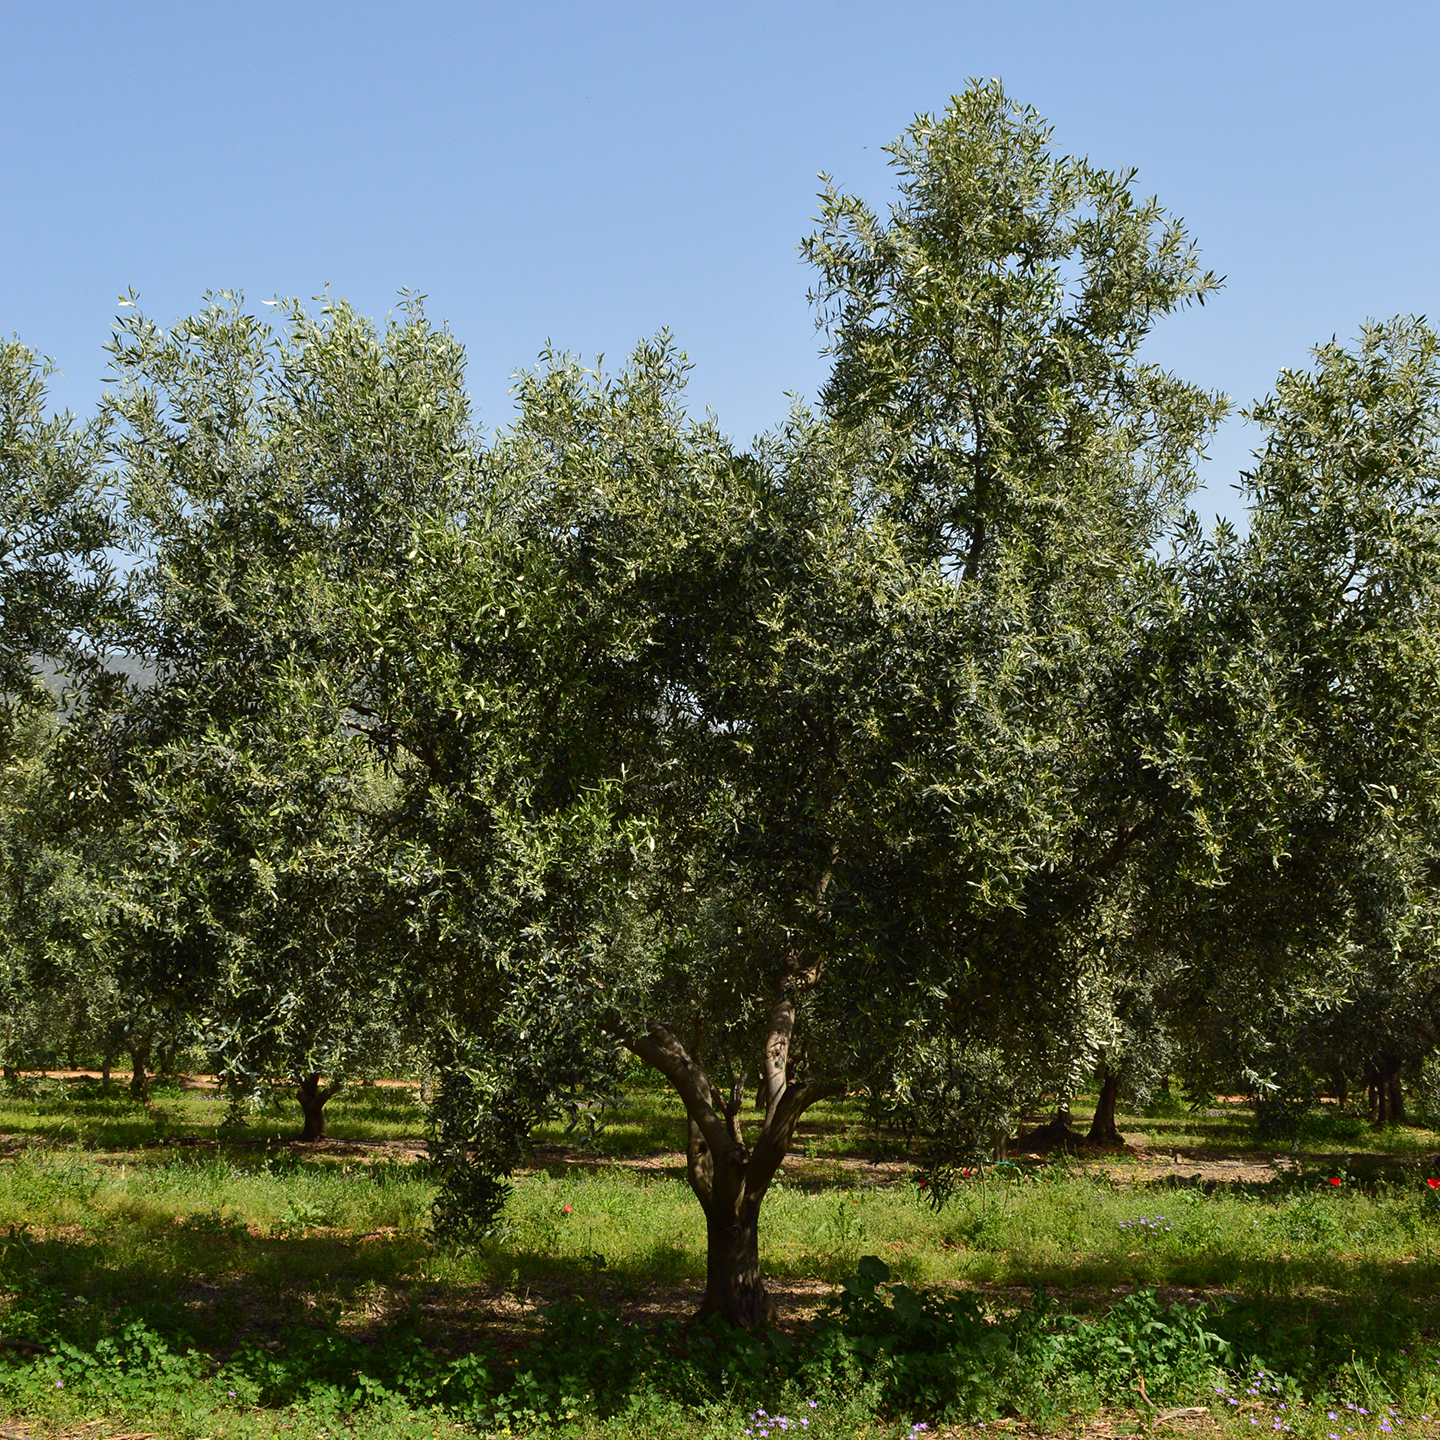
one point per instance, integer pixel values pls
(1102, 1127)
(1387, 1097)
(312, 1097)
(728, 1176)
(139, 1071)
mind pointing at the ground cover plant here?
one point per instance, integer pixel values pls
(238, 1285)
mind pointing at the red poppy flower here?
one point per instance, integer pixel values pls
(922, 1184)
(1334, 1181)
(565, 1209)
(1433, 1183)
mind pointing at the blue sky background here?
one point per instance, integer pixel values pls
(589, 173)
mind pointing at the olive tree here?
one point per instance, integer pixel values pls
(250, 893)
(1319, 632)
(793, 761)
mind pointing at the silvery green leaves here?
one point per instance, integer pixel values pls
(988, 329)
(1319, 632)
(57, 585)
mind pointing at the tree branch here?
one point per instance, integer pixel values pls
(660, 1049)
(1123, 841)
(699, 1165)
(777, 1053)
(774, 1142)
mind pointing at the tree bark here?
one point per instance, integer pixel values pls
(312, 1100)
(1102, 1127)
(730, 1179)
(105, 1068)
(734, 1287)
(139, 1076)
(1387, 1099)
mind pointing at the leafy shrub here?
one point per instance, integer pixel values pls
(883, 1348)
(944, 1354)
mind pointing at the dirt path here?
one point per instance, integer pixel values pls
(1137, 1164)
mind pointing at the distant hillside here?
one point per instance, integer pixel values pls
(142, 672)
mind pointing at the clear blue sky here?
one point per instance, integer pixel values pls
(589, 173)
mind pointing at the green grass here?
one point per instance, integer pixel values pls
(226, 1241)
(198, 1218)
(93, 1116)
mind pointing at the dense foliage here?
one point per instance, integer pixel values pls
(928, 751)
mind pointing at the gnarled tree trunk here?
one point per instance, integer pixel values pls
(139, 1073)
(734, 1288)
(1397, 1096)
(1387, 1098)
(312, 1097)
(1102, 1127)
(728, 1177)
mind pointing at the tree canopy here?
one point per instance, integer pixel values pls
(927, 751)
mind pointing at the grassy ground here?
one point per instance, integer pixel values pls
(202, 1245)
(84, 1113)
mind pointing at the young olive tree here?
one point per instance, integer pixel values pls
(57, 600)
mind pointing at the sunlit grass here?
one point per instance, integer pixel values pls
(1065, 1229)
(106, 1214)
(109, 1118)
